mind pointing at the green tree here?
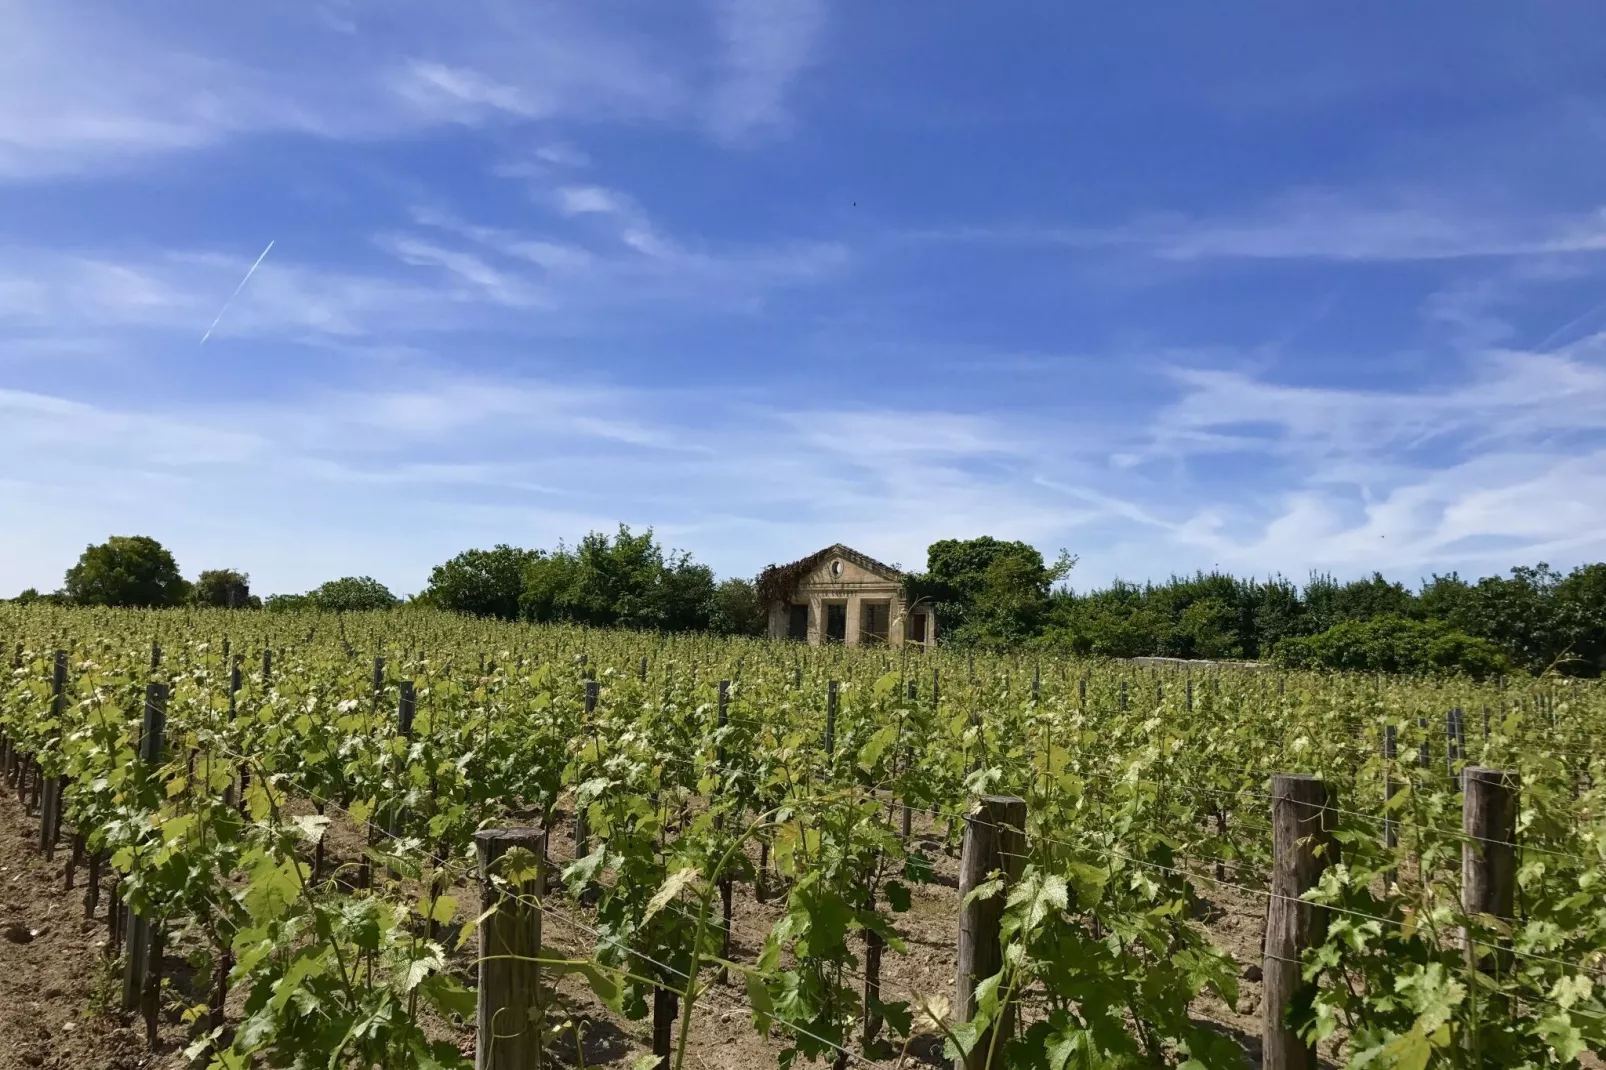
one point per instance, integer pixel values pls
(626, 581)
(987, 591)
(224, 588)
(126, 570)
(630, 582)
(290, 603)
(738, 610)
(1580, 609)
(1396, 645)
(1517, 613)
(483, 583)
(352, 594)
(1328, 602)
(548, 581)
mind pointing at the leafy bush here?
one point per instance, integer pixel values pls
(484, 583)
(353, 594)
(350, 594)
(1393, 644)
(127, 570)
(224, 588)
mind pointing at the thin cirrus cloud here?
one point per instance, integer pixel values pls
(543, 268)
(1317, 225)
(85, 83)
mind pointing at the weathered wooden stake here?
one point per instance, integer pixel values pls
(725, 882)
(1488, 858)
(509, 1019)
(50, 809)
(1391, 832)
(873, 944)
(830, 718)
(995, 840)
(1455, 738)
(582, 827)
(1301, 850)
(665, 1009)
(140, 945)
(908, 814)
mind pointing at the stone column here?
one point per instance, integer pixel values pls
(855, 618)
(816, 620)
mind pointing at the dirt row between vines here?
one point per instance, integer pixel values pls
(59, 991)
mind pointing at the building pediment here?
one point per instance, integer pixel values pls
(835, 566)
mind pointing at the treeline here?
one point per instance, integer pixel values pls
(999, 594)
(987, 593)
(625, 580)
(1534, 619)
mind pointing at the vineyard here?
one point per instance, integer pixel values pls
(413, 840)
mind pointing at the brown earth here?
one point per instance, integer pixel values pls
(59, 992)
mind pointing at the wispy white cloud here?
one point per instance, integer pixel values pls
(87, 83)
(65, 295)
(1499, 467)
(588, 200)
(767, 45)
(620, 255)
(1322, 225)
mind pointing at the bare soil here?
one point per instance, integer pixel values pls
(59, 991)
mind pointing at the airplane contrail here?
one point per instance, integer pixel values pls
(235, 294)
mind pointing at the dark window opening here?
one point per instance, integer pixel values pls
(797, 624)
(917, 628)
(836, 623)
(874, 626)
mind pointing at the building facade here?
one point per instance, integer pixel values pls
(839, 595)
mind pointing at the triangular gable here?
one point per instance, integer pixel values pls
(777, 582)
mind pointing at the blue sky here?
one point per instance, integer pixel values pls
(1269, 287)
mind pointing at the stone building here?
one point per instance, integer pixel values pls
(839, 595)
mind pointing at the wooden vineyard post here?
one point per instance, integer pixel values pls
(914, 696)
(50, 807)
(141, 947)
(406, 710)
(830, 721)
(508, 1021)
(236, 680)
(724, 881)
(1123, 696)
(995, 840)
(1488, 857)
(1301, 850)
(665, 1009)
(582, 831)
(1455, 739)
(1391, 832)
